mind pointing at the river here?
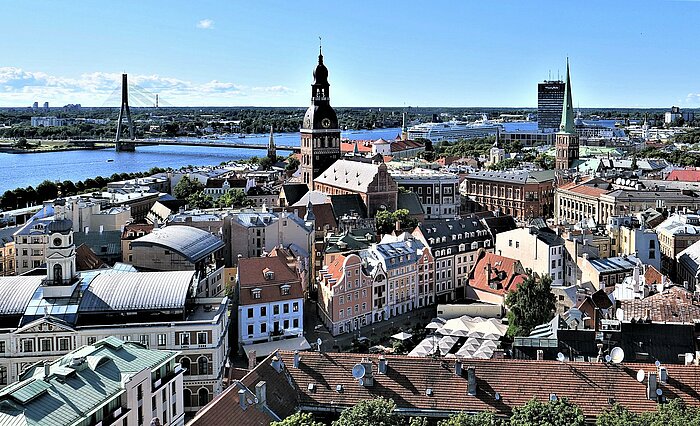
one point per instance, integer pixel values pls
(21, 170)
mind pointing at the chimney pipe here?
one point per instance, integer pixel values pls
(297, 358)
(47, 370)
(241, 399)
(651, 386)
(471, 380)
(261, 393)
(540, 355)
(252, 360)
(458, 368)
(382, 365)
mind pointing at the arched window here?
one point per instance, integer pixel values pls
(203, 396)
(203, 365)
(185, 363)
(57, 274)
(187, 397)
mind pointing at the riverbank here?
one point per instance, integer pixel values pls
(44, 146)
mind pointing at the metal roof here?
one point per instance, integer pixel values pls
(16, 292)
(137, 291)
(192, 243)
(69, 395)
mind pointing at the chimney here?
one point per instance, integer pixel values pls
(651, 386)
(241, 399)
(276, 363)
(488, 272)
(471, 380)
(297, 358)
(252, 360)
(398, 226)
(369, 378)
(47, 370)
(261, 393)
(540, 355)
(382, 365)
(458, 368)
(102, 228)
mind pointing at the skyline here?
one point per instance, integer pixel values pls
(237, 54)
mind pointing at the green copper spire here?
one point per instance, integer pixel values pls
(567, 113)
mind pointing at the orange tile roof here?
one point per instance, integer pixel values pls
(684, 175)
(362, 146)
(591, 386)
(251, 275)
(511, 267)
(674, 305)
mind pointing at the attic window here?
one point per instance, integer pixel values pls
(285, 289)
(269, 274)
(256, 293)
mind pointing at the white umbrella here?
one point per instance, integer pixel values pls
(402, 336)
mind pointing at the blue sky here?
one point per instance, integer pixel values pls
(379, 53)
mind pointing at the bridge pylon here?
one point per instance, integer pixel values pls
(124, 110)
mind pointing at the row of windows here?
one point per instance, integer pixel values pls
(275, 309)
(263, 326)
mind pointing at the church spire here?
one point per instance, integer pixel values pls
(271, 148)
(567, 113)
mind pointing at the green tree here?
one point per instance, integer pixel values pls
(47, 190)
(418, 421)
(532, 304)
(266, 163)
(187, 187)
(386, 221)
(199, 200)
(292, 165)
(508, 163)
(675, 413)
(233, 198)
(298, 419)
(371, 412)
(554, 413)
(618, 415)
(479, 419)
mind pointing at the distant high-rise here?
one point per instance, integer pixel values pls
(566, 144)
(550, 97)
(46, 105)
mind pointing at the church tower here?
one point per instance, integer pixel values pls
(60, 254)
(271, 148)
(320, 133)
(566, 138)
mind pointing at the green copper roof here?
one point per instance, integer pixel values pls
(72, 392)
(567, 113)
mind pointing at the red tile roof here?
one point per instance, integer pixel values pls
(687, 175)
(507, 273)
(591, 386)
(674, 305)
(225, 409)
(362, 146)
(251, 275)
(652, 275)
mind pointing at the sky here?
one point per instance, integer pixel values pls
(459, 53)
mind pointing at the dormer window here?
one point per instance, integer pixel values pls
(268, 274)
(257, 293)
(285, 289)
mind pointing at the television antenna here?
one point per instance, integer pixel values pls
(358, 372)
(617, 355)
(640, 375)
(689, 358)
(608, 358)
(560, 357)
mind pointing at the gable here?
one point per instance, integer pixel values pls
(44, 325)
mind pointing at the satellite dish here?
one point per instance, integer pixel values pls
(657, 363)
(620, 314)
(608, 358)
(659, 391)
(640, 375)
(617, 355)
(358, 371)
(319, 341)
(497, 396)
(361, 382)
(560, 357)
(689, 358)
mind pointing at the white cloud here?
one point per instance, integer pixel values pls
(22, 87)
(692, 100)
(205, 24)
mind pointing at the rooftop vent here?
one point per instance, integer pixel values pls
(339, 388)
(429, 392)
(312, 387)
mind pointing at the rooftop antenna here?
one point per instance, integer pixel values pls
(640, 375)
(358, 372)
(560, 357)
(617, 355)
(319, 45)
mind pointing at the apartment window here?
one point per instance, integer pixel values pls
(46, 345)
(342, 300)
(263, 311)
(275, 309)
(250, 329)
(202, 338)
(139, 392)
(263, 328)
(162, 340)
(63, 344)
(295, 322)
(27, 345)
(285, 308)
(2, 347)
(184, 338)
(250, 312)
(295, 307)
(517, 244)
(554, 264)
(286, 324)
(3, 375)
(144, 339)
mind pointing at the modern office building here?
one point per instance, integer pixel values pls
(550, 98)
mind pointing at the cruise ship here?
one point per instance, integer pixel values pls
(452, 131)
